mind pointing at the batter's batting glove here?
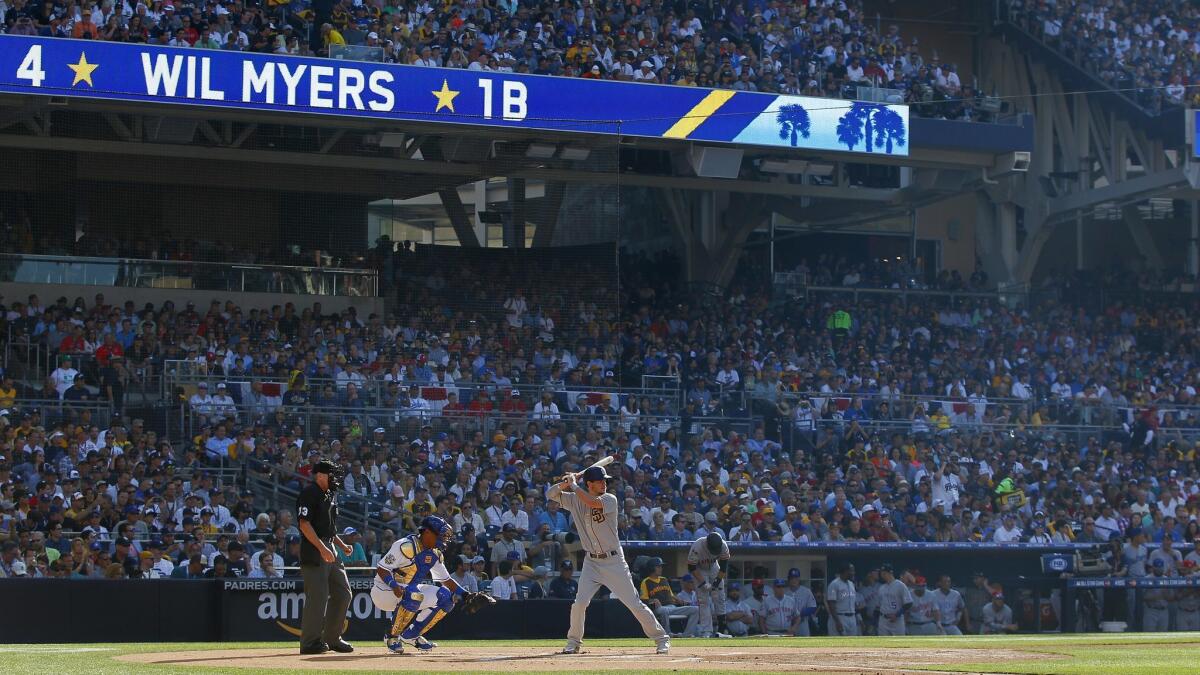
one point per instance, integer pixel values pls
(473, 602)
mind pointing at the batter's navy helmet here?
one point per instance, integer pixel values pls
(714, 543)
(595, 473)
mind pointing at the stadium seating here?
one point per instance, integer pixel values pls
(1146, 49)
(809, 49)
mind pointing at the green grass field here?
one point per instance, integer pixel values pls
(1126, 654)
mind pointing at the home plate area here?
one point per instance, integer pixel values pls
(525, 659)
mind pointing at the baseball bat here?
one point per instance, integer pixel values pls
(602, 462)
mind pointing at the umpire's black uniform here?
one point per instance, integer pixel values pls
(326, 589)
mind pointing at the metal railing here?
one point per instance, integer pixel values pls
(172, 274)
(316, 423)
(376, 390)
(52, 412)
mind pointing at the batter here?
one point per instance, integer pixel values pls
(594, 512)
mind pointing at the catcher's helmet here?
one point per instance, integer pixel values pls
(439, 527)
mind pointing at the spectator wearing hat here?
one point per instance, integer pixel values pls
(192, 569)
(505, 546)
(268, 553)
(201, 403)
(564, 586)
(539, 589)
(358, 556)
(997, 617)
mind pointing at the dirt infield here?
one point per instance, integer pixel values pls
(525, 659)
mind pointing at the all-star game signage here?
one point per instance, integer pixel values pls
(291, 84)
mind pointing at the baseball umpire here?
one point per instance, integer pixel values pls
(594, 511)
(326, 590)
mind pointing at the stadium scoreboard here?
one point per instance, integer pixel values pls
(404, 93)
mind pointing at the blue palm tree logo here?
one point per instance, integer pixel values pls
(873, 125)
(793, 123)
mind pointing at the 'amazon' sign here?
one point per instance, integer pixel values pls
(292, 84)
(271, 610)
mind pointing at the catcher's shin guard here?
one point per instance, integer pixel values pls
(400, 621)
(422, 626)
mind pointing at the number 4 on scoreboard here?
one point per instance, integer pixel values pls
(31, 67)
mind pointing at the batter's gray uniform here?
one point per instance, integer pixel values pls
(844, 599)
(921, 618)
(603, 564)
(950, 610)
(892, 599)
(711, 599)
(1156, 610)
(1187, 610)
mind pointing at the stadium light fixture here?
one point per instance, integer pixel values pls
(783, 166)
(392, 140)
(540, 151)
(574, 154)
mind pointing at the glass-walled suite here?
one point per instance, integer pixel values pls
(424, 219)
(138, 273)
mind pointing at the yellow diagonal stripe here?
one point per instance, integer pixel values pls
(696, 116)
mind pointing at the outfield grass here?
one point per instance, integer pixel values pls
(1124, 654)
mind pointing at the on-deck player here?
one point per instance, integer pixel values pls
(594, 512)
(707, 560)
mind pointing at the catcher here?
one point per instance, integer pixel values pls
(419, 606)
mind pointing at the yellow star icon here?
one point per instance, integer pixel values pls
(83, 70)
(445, 97)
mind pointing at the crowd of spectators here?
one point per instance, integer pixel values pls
(922, 421)
(1149, 49)
(816, 48)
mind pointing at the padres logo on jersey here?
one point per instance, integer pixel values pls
(598, 515)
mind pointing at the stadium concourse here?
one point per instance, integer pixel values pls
(881, 419)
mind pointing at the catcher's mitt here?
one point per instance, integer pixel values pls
(473, 602)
